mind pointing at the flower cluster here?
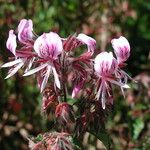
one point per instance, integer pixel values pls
(51, 54)
(59, 70)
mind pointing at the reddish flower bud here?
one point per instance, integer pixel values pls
(71, 43)
(49, 100)
(64, 113)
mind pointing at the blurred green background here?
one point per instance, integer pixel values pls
(20, 100)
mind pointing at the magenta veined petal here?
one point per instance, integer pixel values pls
(25, 29)
(48, 45)
(105, 64)
(11, 43)
(90, 42)
(121, 48)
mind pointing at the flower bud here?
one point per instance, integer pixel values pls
(11, 42)
(64, 113)
(48, 45)
(49, 100)
(105, 64)
(122, 48)
(25, 29)
(71, 43)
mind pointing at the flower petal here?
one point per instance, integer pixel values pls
(122, 48)
(25, 29)
(12, 72)
(48, 45)
(105, 64)
(30, 72)
(11, 63)
(30, 64)
(46, 76)
(115, 82)
(103, 98)
(56, 78)
(11, 43)
(126, 86)
(90, 42)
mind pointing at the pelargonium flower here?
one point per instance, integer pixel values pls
(122, 48)
(25, 29)
(105, 65)
(108, 70)
(48, 46)
(24, 56)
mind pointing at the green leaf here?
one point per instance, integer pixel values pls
(138, 126)
(39, 137)
(103, 136)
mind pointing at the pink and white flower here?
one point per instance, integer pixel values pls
(52, 54)
(24, 56)
(11, 44)
(122, 48)
(48, 46)
(105, 66)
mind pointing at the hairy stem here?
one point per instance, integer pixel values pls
(64, 77)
